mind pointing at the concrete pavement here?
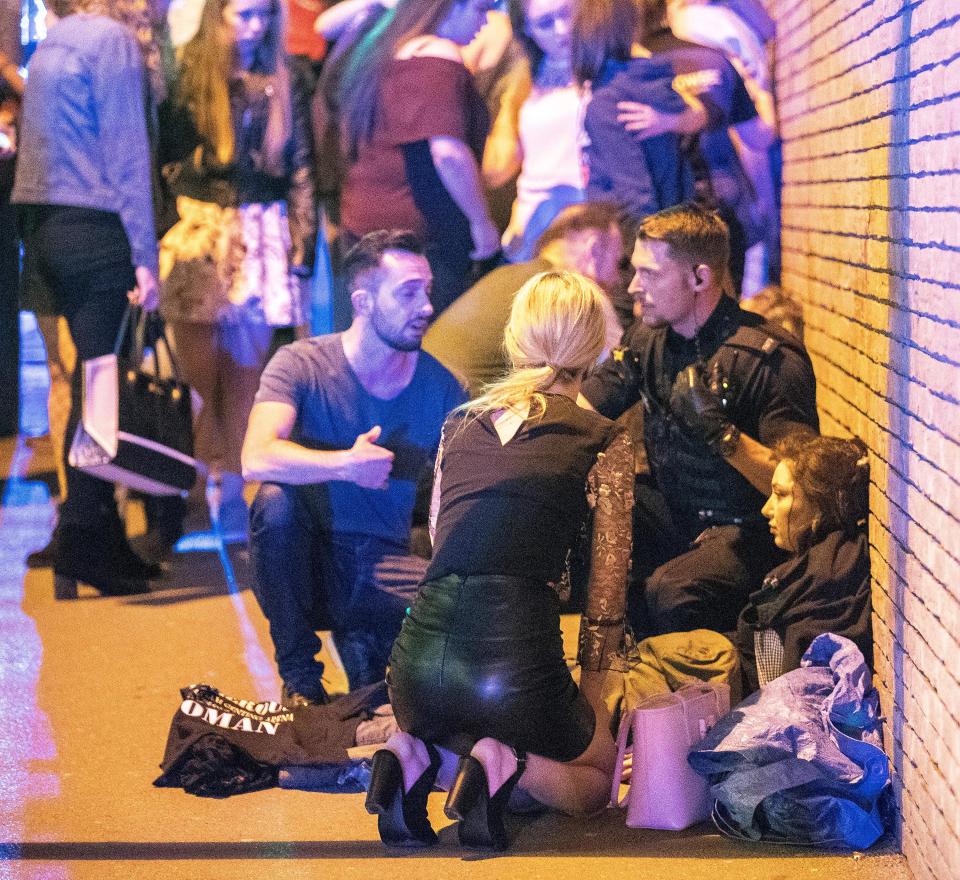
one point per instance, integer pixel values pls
(88, 691)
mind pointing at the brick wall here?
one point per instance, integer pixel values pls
(869, 97)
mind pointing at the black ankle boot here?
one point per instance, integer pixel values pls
(480, 816)
(95, 557)
(165, 516)
(402, 816)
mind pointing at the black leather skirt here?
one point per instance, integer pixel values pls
(483, 656)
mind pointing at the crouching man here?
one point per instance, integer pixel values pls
(343, 427)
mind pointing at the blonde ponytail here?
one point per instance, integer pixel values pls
(556, 331)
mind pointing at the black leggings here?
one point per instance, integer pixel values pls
(84, 256)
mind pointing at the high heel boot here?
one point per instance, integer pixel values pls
(402, 816)
(96, 558)
(480, 815)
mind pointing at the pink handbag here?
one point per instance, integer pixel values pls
(665, 792)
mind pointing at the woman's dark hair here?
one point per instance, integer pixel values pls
(518, 21)
(603, 30)
(834, 475)
(360, 89)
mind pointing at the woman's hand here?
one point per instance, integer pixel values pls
(486, 238)
(643, 120)
(145, 294)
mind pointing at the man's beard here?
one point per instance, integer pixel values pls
(395, 341)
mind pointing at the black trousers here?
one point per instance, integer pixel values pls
(9, 317)
(84, 256)
(358, 586)
(689, 574)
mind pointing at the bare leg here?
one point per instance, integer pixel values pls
(578, 787)
(414, 759)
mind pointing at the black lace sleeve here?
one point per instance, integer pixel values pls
(610, 493)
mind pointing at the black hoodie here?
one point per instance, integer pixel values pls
(825, 589)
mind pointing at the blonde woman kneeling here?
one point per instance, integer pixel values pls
(478, 666)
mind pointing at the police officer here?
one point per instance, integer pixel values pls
(718, 387)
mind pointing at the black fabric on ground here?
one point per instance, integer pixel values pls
(220, 746)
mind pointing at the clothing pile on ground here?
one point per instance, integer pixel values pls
(219, 746)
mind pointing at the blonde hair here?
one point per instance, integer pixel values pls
(556, 331)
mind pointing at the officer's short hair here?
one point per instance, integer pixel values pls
(367, 254)
(693, 233)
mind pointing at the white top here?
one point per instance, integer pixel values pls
(721, 28)
(549, 128)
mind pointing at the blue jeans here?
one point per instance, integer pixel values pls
(307, 578)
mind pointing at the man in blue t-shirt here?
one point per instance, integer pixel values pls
(343, 429)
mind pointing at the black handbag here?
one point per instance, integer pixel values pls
(136, 427)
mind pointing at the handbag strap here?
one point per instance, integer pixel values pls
(123, 329)
(626, 723)
(147, 329)
(154, 322)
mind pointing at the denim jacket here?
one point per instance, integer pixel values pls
(83, 141)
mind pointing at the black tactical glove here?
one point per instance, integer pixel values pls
(699, 407)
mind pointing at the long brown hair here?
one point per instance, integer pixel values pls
(203, 84)
(360, 89)
(834, 475)
(602, 30)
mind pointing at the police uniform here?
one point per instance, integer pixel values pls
(701, 544)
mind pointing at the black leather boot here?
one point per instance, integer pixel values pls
(96, 557)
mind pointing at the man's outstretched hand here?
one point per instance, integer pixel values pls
(369, 465)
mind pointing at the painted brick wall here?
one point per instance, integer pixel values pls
(869, 97)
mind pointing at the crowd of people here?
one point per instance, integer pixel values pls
(545, 402)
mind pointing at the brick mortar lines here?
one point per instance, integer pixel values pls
(884, 114)
(902, 612)
(789, 270)
(954, 441)
(908, 482)
(928, 759)
(909, 782)
(870, 178)
(880, 270)
(888, 146)
(876, 237)
(905, 209)
(920, 851)
(907, 822)
(911, 41)
(840, 420)
(890, 368)
(783, 37)
(785, 97)
(892, 601)
(906, 343)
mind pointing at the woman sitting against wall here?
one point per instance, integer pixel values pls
(818, 512)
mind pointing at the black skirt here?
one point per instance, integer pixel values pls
(483, 656)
